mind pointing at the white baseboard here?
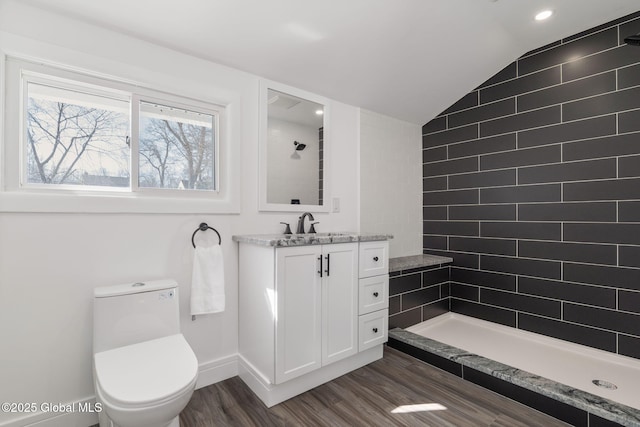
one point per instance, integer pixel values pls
(217, 370)
(208, 373)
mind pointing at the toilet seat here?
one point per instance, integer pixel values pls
(147, 373)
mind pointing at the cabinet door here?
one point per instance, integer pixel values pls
(339, 302)
(297, 312)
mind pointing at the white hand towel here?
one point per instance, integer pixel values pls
(207, 281)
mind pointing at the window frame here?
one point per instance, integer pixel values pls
(28, 77)
(195, 106)
(17, 195)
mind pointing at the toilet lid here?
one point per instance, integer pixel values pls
(147, 372)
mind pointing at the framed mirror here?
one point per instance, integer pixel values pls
(293, 150)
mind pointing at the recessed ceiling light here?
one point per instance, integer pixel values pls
(544, 15)
(319, 112)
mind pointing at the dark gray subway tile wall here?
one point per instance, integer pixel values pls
(629, 76)
(532, 185)
(565, 52)
(572, 131)
(417, 295)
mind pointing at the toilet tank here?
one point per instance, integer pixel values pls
(134, 312)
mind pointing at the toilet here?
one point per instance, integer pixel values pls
(144, 370)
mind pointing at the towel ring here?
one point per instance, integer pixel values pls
(204, 227)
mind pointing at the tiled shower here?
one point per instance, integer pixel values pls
(532, 184)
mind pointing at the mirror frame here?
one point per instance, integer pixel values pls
(263, 204)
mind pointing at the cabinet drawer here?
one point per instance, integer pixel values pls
(373, 294)
(374, 258)
(372, 329)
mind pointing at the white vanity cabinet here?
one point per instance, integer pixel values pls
(316, 306)
(301, 314)
(373, 294)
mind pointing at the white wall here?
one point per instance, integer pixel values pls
(391, 181)
(50, 263)
(292, 178)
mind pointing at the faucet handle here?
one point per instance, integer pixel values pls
(312, 229)
(288, 229)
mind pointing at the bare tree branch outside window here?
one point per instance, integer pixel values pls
(176, 148)
(70, 143)
(80, 138)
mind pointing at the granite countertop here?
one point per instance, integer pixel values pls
(596, 405)
(284, 240)
(416, 261)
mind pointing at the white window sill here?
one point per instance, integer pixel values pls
(114, 203)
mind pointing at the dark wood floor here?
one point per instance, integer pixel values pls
(366, 397)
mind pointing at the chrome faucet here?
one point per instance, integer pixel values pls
(300, 228)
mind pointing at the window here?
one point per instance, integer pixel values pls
(82, 136)
(81, 141)
(177, 148)
(75, 138)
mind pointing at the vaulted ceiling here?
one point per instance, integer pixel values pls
(408, 59)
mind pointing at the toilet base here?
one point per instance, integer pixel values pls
(151, 416)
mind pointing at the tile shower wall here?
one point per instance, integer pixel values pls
(417, 295)
(532, 184)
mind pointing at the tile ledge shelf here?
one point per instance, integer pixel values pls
(587, 402)
(416, 261)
